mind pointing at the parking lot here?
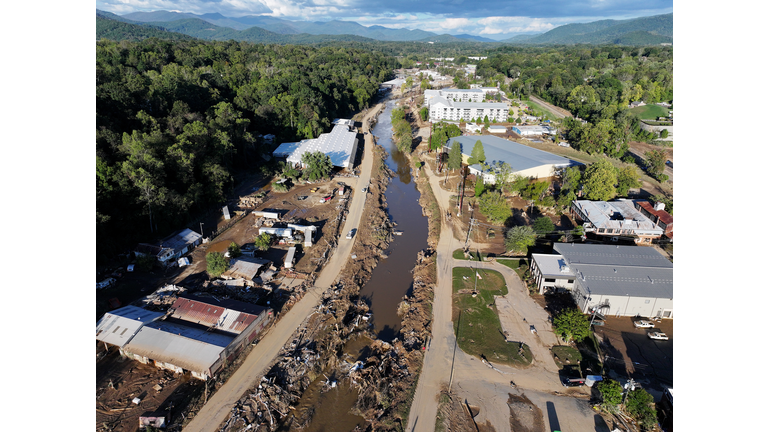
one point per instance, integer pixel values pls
(629, 352)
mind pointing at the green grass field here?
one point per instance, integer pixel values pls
(649, 112)
(477, 327)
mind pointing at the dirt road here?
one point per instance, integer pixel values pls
(481, 385)
(218, 408)
(556, 111)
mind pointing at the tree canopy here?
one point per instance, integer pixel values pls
(318, 165)
(494, 206)
(216, 264)
(600, 181)
(571, 324)
(519, 238)
(177, 120)
(454, 156)
(478, 154)
(610, 391)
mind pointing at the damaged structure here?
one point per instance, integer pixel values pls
(247, 268)
(171, 248)
(199, 335)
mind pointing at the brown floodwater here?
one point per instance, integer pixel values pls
(392, 278)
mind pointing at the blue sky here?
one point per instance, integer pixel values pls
(495, 19)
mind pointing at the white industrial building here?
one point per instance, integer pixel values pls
(534, 130)
(615, 280)
(340, 145)
(525, 161)
(119, 326)
(444, 109)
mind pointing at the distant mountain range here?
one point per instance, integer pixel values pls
(264, 29)
(650, 30)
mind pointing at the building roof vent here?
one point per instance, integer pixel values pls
(659, 206)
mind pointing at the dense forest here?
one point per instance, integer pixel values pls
(177, 120)
(595, 83)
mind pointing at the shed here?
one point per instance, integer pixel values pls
(246, 268)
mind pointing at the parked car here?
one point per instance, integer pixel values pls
(573, 382)
(365, 189)
(657, 335)
(106, 283)
(644, 324)
(350, 234)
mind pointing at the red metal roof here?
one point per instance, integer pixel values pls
(227, 315)
(661, 214)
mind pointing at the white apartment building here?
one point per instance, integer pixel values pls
(444, 109)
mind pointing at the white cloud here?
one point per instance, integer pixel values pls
(452, 23)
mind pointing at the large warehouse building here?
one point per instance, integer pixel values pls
(199, 335)
(616, 280)
(340, 145)
(525, 161)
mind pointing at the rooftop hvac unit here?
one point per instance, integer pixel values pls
(659, 206)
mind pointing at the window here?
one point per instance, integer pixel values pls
(570, 281)
(601, 230)
(548, 280)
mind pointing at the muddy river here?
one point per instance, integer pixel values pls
(390, 281)
(392, 278)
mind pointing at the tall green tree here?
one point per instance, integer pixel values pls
(519, 238)
(478, 154)
(318, 165)
(611, 392)
(216, 264)
(454, 156)
(479, 186)
(627, 178)
(639, 406)
(654, 162)
(600, 181)
(571, 324)
(262, 241)
(543, 224)
(494, 207)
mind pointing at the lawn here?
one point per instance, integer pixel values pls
(650, 112)
(514, 264)
(539, 110)
(476, 320)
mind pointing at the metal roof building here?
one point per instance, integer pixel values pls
(340, 145)
(245, 268)
(119, 326)
(616, 218)
(619, 280)
(525, 161)
(178, 347)
(226, 315)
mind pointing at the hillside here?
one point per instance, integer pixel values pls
(107, 28)
(280, 26)
(201, 29)
(638, 31)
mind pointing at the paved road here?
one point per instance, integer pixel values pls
(255, 365)
(475, 381)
